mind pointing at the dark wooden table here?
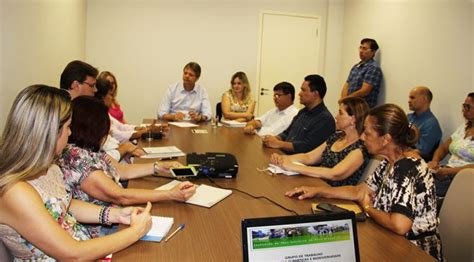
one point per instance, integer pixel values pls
(214, 234)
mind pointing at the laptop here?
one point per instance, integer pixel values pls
(319, 237)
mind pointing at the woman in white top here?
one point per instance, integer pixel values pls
(237, 102)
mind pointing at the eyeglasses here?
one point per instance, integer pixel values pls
(90, 85)
(363, 48)
(467, 107)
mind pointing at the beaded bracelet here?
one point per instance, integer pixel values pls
(104, 215)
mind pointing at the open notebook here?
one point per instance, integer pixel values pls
(205, 195)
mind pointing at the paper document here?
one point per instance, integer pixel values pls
(159, 228)
(205, 195)
(162, 152)
(233, 123)
(278, 170)
(182, 124)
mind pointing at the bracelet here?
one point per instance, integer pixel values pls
(156, 168)
(366, 209)
(104, 215)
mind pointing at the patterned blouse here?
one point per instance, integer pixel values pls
(331, 158)
(461, 149)
(237, 107)
(77, 164)
(408, 188)
(56, 199)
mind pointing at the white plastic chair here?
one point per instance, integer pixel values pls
(456, 218)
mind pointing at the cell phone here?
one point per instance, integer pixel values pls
(330, 208)
(183, 171)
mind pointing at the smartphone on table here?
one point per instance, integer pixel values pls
(183, 171)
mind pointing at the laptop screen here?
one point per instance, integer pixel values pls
(321, 237)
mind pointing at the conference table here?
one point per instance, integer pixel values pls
(214, 234)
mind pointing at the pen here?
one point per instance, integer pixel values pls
(174, 232)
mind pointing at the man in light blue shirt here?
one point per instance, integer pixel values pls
(419, 102)
(186, 100)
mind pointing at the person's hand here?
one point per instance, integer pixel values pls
(249, 129)
(123, 215)
(271, 141)
(141, 219)
(165, 166)
(276, 159)
(442, 173)
(366, 199)
(182, 191)
(433, 165)
(179, 116)
(139, 128)
(303, 192)
(195, 116)
(138, 151)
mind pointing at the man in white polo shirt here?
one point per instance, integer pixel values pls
(276, 120)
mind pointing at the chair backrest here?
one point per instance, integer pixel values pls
(370, 168)
(5, 254)
(456, 218)
(218, 112)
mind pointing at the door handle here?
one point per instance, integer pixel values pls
(264, 89)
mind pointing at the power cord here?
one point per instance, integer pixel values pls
(256, 197)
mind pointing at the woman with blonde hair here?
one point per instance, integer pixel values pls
(39, 220)
(400, 194)
(114, 110)
(237, 102)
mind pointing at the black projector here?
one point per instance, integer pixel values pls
(214, 165)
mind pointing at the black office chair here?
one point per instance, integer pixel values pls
(218, 112)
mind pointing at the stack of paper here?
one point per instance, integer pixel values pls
(182, 124)
(233, 123)
(162, 152)
(159, 228)
(205, 195)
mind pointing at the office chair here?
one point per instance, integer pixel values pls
(456, 218)
(370, 168)
(218, 112)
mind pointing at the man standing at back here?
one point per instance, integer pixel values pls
(278, 119)
(78, 78)
(311, 126)
(186, 100)
(365, 77)
(419, 102)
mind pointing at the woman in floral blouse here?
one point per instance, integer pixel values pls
(92, 176)
(342, 158)
(37, 213)
(400, 194)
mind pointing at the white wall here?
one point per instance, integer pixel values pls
(421, 43)
(38, 39)
(147, 43)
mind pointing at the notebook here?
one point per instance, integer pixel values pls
(321, 237)
(162, 152)
(205, 196)
(159, 229)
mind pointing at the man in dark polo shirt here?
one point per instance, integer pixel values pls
(311, 126)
